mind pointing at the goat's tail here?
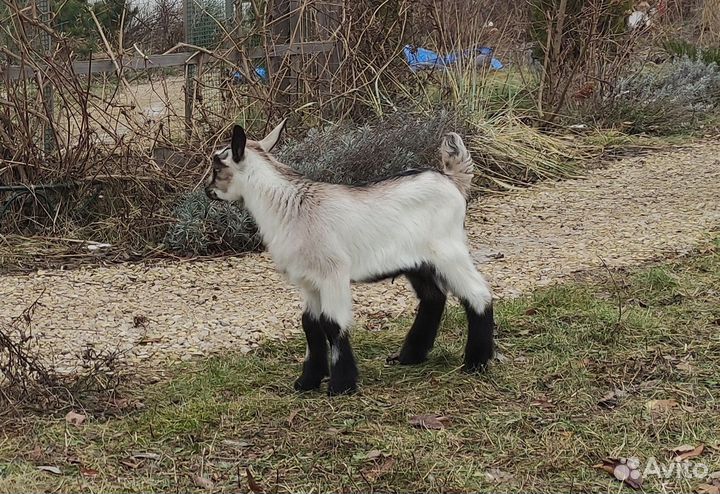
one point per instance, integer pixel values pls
(457, 163)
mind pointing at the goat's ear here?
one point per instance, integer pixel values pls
(273, 137)
(237, 145)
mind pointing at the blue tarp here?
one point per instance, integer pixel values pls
(259, 71)
(422, 58)
(417, 59)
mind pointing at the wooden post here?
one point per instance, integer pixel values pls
(279, 34)
(189, 69)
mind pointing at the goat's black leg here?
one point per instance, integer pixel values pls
(462, 279)
(479, 348)
(343, 369)
(315, 367)
(421, 337)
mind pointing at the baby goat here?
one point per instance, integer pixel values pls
(324, 237)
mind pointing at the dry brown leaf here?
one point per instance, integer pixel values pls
(148, 340)
(202, 482)
(683, 448)
(252, 484)
(36, 454)
(684, 366)
(74, 418)
(140, 321)
(543, 401)
(690, 454)
(624, 470)
(498, 476)
(292, 416)
(89, 472)
(609, 400)
(379, 469)
(428, 421)
(374, 453)
(707, 489)
(50, 469)
(661, 405)
(146, 456)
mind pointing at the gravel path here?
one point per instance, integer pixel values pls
(633, 211)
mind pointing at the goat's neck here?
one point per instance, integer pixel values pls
(270, 197)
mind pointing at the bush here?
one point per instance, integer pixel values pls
(352, 156)
(679, 96)
(681, 48)
(203, 227)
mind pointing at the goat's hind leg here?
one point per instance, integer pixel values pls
(421, 337)
(315, 367)
(473, 291)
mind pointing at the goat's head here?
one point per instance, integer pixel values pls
(230, 163)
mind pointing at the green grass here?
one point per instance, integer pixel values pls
(535, 416)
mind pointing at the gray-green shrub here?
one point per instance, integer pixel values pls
(673, 98)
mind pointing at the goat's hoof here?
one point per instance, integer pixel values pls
(342, 388)
(405, 358)
(305, 383)
(477, 364)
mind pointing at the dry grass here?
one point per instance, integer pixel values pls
(537, 421)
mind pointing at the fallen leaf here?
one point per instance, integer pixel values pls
(139, 321)
(203, 482)
(609, 400)
(252, 484)
(707, 489)
(292, 416)
(542, 401)
(89, 472)
(531, 311)
(36, 454)
(147, 341)
(661, 405)
(690, 454)
(684, 366)
(683, 448)
(146, 456)
(74, 418)
(379, 469)
(626, 470)
(236, 444)
(373, 454)
(498, 476)
(429, 421)
(49, 469)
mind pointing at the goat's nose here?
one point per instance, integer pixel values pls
(210, 192)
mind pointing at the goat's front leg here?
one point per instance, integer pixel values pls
(336, 302)
(315, 367)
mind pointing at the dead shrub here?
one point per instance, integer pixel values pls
(28, 383)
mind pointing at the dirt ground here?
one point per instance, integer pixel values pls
(630, 212)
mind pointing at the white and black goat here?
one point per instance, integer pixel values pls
(325, 236)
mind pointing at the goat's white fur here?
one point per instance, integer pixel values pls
(322, 236)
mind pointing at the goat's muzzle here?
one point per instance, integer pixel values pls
(212, 195)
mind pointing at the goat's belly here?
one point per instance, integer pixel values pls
(379, 264)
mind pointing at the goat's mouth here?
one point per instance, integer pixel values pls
(211, 193)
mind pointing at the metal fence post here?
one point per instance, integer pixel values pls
(47, 90)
